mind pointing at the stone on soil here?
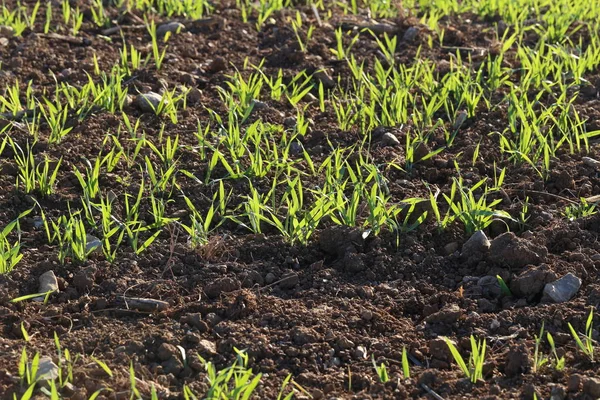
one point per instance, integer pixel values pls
(410, 34)
(564, 289)
(92, 243)
(207, 348)
(6, 31)
(389, 139)
(289, 281)
(450, 248)
(490, 287)
(360, 353)
(590, 162)
(147, 102)
(591, 387)
(173, 27)
(47, 370)
(48, 283)
(478, 243)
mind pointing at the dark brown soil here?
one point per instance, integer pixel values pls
(318, 312)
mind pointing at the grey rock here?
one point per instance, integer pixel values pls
(92, 243)
(309, 97)
(323, 77)
(289, 122)
(38, 222)
(360, 353)
(48, 283)
(194, 95)
(207, 348)
(296, 147)
(558, 392)
(147, 102)
(461, 117)
(591, 387)
(6, 31)
(344, 343)
(514, 252)
(564, 289)
(389, 139)
(289, 281)
(450, 248)
(213, 319)
(259, 105)
(590, 162)
(173, 27)
(490, 287)
(477, 243)
(270, 278)
(410, 34)
(47, 370)
(68, 390)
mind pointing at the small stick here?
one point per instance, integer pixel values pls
(431, 392)
(148, 305)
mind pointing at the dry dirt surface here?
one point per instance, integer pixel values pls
(357, 291)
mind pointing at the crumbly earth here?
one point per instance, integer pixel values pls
(319, 312)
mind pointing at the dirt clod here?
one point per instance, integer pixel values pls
(514, 252)
(222, 285)
(84, 279)
(517, 361)
(591, 387)
(531, 282)
(446, 316)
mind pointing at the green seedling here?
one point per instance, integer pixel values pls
(405, 365)
(381, 371)
(474, 369)
(581, 210)
(587, 344)
(503, 286)
(559, 362)
(539, 360)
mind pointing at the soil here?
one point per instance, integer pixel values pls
(319, 312)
